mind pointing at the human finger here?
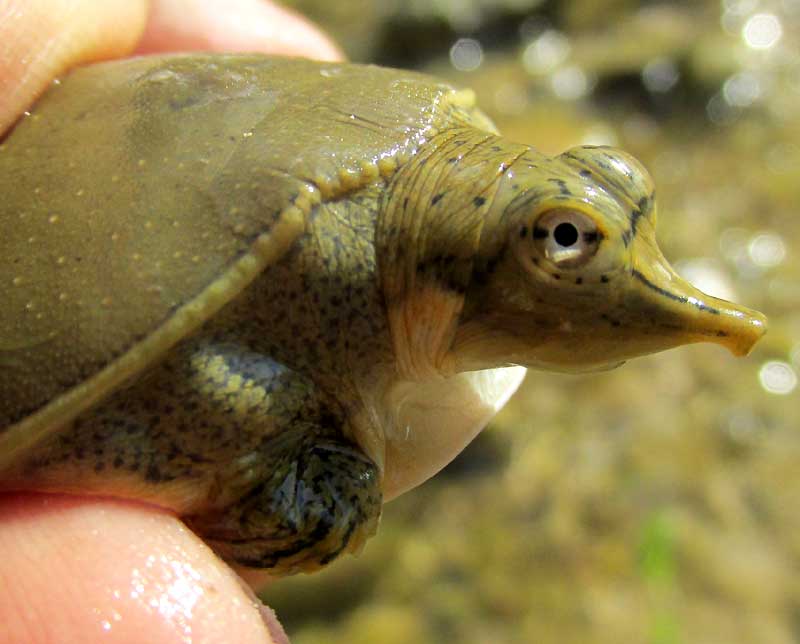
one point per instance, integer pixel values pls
(87, 569)
(234, 25)
(40, 39)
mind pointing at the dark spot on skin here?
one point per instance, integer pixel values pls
(491, 265)
(613, 322)
(496, 148)
(179, 104)
(636, 214)
(562, 186)
(540, 233)
(556, 276)
(590, 238)
(604, 279)
(579, 280)
(678, 298)
(452, 159)
(586, 173)
(437, 198)
(479, 201)
(629, 234)
(523, 232)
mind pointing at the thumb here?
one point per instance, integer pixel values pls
(39, 39)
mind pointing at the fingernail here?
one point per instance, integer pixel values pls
(268, 616)
(274, 627)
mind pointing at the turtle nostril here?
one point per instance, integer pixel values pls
(565, 234)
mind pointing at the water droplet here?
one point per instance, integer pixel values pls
(330, 72)
(466, 54)
(546, 53)
(570, 83)
(767, 250)
(762, 31)
(660, 75)
(742, 89)
(720, 112)
(777, 377)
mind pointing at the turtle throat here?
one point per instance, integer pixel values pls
(428, 236)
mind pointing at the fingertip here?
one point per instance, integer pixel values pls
(234, 25)
(80, 569)
(40, 39)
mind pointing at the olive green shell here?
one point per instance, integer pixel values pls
(140, 196)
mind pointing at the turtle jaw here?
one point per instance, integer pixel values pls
(683, 314)
(643, 309)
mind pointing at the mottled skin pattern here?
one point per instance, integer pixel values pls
(240, 418)
(332, 364)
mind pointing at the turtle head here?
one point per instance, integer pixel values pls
(573, 278)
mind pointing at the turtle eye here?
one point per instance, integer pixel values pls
(567, 238)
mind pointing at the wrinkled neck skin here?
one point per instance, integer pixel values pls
(441, 232)
(430, 246)
(468, 295)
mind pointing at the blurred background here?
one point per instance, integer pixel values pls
(659, 503)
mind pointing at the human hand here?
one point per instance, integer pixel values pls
(83, 569)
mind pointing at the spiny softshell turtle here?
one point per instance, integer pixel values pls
(269, 294)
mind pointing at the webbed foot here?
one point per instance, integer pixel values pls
(320, 496)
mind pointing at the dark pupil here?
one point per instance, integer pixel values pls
(565, 234)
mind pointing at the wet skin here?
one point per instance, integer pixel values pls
(246, 306)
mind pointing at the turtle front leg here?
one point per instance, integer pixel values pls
(248, 451)
(319, 496)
